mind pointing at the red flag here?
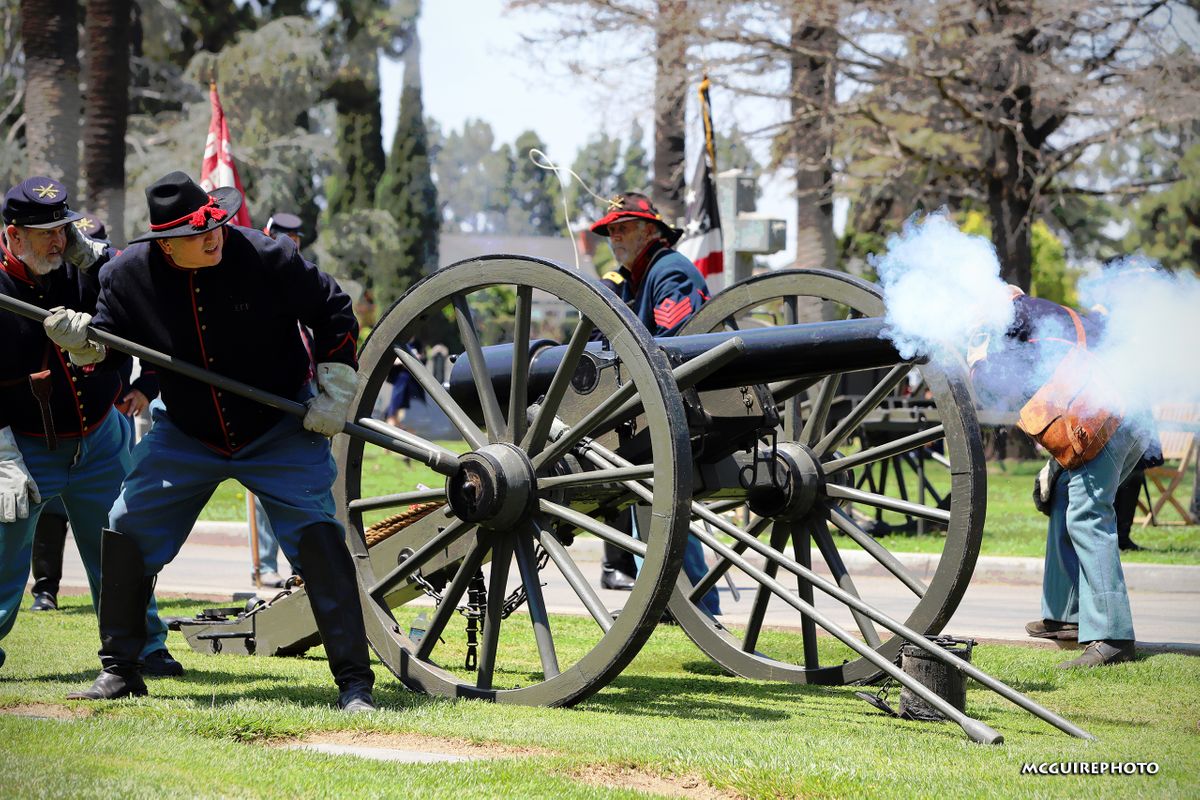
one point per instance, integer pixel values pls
(702, 241)
(218, 168)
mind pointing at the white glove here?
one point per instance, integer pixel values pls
(82, 250)
(68, 329)
(17, 486)
(977, 347)
(336, 385)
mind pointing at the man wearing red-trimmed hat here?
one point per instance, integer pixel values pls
(232, 300)
(665, 290)
(660, 284)
(61, 442)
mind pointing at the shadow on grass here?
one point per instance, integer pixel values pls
(751, 702)
(208, 688)
(694, 697)
(66, 611)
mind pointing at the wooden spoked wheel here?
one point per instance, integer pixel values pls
(519, 487)
(829, 422)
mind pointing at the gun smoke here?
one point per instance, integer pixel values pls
(1149, 346)
(941, 286)
(943, 289)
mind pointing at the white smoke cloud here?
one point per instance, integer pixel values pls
(943, 289)
(941, 286)
(1150, 348)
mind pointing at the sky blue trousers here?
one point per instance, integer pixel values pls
(268, 547)
(174, 475)
(694, 566)
(86, 475)
(1083, 580)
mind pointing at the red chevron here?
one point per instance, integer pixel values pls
(670, 312)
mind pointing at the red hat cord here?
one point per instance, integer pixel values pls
(198, 218)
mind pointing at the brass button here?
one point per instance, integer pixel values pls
(199, 308)
(203, 327)
(210, 359)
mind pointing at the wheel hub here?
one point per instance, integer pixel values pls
(494, 486)
(797, 487)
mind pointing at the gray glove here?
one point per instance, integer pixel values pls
(82, 250)
(1043, 486)
(336, 385)
(68, 329)
(17, 486)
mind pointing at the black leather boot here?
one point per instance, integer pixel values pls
(619, 570)
(124, 593)
(48, 539)
(333, 595)
(1125, 505)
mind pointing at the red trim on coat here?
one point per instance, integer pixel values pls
(14, 266)
(84, 428)
(204, 356)
(347, 339)
(639, 265)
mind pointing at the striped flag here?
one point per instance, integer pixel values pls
(218, 168)
(702, 241)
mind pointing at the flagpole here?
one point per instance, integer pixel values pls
(706, 116)
(252, 516)
(715, 280)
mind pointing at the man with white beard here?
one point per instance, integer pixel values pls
(59, 434)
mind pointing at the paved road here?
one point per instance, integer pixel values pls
(215, 568)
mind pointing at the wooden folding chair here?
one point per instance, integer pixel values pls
(1178, 446)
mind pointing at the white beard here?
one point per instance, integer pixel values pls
(39, 266)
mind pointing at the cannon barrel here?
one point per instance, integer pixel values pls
(782, 352)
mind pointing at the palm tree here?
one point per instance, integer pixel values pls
(51, 42)
(809, 143)
(106, 31)
(670, 95)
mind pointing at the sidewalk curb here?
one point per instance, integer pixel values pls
(1025, 571)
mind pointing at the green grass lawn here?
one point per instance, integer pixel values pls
(670, 717)
(1014, 527)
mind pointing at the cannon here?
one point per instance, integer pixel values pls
(560, 433)
(572, 418)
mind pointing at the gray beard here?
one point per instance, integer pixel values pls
(39, 266)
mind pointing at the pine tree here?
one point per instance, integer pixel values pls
(635, 172)
(534, 191)
(596, 164)
(407, 191)
(473, 179)
(359, 151)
